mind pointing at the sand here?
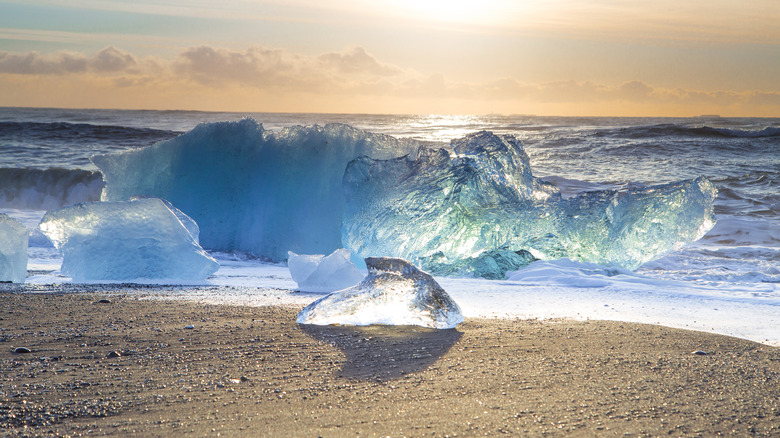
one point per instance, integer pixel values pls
(146, 367)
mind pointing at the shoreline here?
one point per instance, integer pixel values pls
(253, 371)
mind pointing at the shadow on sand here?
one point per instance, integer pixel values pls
(382, 352)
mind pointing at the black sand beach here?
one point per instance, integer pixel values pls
(144, 367)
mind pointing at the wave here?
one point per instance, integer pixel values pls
(58, 131)
(741, 133)
(46, 189)
(670, 129)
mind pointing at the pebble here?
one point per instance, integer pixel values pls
(114, 354)
(104, 301)
(699, 353)
(189, 327)
(22, 350)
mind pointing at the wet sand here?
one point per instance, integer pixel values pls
(145, 367)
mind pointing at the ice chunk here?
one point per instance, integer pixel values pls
(446, 208)
(13, 249)
(124, 241)
(318, 273)
(252, 190)
(394, 292)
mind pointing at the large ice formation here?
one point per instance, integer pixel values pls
(492, 265)
(320, 273)
(123, 241)
(394, 292)
(252, 190)
(479, 198)
(13, 250)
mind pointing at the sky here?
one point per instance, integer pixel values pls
(553, 57)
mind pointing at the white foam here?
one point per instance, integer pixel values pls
(555, 289)
(576, 291)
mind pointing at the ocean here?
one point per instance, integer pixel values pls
(727, 282)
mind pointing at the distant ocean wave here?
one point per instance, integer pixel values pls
(670, 129)
(45, 189)
(54, 131)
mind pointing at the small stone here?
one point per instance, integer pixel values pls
(19, 350)
(114, 354)
(244, 378)
(699, 353)
(189, 327)
(104, 301)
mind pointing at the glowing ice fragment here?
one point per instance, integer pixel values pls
(394, 292)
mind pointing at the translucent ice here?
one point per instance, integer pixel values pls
(252, 190)
(319, 273)
(492, 265)
(124, 241)
(13, 250)
(394, 292)
(480, 199)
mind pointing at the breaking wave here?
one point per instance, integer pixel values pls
(45, 189)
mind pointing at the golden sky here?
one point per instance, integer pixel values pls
(553, 57)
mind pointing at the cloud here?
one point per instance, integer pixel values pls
(112, 59)
(255, 66)
(765, 99)
(335, 78)
(37, 64)
(279, 69)
(635, 90)
(109, 59)
(356, 61)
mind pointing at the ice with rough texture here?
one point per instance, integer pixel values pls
(394, 292)
(446, 207)
(320, 273)
(252, 190)
(492, 265)
(142, 239)
(13, 249)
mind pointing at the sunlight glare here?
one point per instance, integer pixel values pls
(456, 11)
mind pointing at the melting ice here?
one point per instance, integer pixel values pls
(472, 209)
(252, 190)
(394, 292)
(125, 241)
(13, 250)
(480, 201)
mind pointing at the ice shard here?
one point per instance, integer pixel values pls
(142, 239)
(394, 292)
(445, 207)
(13, 249)
(252, 190)
(320, 273)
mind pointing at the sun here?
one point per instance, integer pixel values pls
(477, 12)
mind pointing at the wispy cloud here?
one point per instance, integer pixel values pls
(669, 20)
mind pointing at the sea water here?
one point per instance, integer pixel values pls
(727, 282)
